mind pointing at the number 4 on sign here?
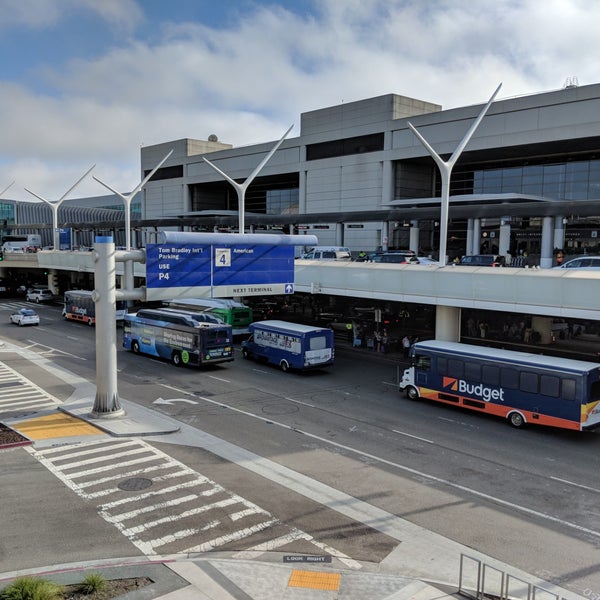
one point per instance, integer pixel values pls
(222, 257)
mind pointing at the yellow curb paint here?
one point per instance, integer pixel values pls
(315, 580)
(55, 426)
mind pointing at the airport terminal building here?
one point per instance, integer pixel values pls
(357, 176)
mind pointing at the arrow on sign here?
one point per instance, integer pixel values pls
(173, 400)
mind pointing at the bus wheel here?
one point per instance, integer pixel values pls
(90, 322)
(516, 419)
(176, 358)
(412, 393)
(135, 347)
(246, 354)
(285, 367)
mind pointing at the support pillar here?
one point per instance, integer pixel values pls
(469, 241)
(413, 243)
(504, 241)
(385, 233)
(547, 241)
(339, 234)
(476, 247)
(447, 323)
(559, 232)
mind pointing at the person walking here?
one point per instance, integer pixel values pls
(405, 346)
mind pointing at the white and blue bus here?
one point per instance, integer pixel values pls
(290, 345)
(518, 386)
(177, 337)
(79, 305)
(232, 312)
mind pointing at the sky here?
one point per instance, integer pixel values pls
(89, 82)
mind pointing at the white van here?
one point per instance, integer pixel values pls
(328, 253)
(10, 247)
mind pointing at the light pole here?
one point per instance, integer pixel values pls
(241, 188)
(54, 205)
(446, 172)
(129, 197)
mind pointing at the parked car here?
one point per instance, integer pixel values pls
(591, 263)
(394, 256)
(39, 295)
(483, 260)
(25, 316)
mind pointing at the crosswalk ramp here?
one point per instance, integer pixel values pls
(161, 505)
(18, 395)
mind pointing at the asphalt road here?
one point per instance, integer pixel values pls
(526, 497)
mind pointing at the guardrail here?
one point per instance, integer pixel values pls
(481, 581)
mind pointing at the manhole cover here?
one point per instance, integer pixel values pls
(135, 484)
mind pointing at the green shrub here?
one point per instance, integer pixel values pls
(32, 588)
(92, 583)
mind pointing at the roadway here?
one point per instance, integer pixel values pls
(458, 474)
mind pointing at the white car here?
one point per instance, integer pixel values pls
(39, 295)
(25, 316)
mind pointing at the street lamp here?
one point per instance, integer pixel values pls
(446, 172)
(54, 205)
(241, 188)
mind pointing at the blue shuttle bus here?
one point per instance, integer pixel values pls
(177, 337)
(290, 345)
(518, 386)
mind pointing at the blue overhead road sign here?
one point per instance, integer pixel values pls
(221, 268)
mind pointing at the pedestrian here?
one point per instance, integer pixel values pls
(377, 341)
(384, 341)
(405, 346)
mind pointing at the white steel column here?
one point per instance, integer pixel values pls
(445, 168)
(559, 232)
(241, 188)
(469, 241)
(504, 241)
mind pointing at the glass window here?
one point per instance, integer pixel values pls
(490, 375)
(442, 365)
(456, 368)
(422, 362)
(594, 391)
(528, 382)
(550, 386)
(473, 371)
(317, 343)
(509, 378)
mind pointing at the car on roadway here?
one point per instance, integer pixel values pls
(25, 316)
(588, 263)
(483, 260)
(39, 295)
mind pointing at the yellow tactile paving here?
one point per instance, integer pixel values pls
(55, 426)
(315, 580)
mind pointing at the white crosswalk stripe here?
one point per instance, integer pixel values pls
(19, 396)
(176, 509)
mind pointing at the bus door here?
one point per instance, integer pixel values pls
(422, 369)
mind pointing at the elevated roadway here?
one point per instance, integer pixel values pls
(566, 293)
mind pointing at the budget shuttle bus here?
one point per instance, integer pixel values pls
(518, 386)
(290, 345)
(80, 306)
(177, 337)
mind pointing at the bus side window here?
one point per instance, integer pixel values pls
(473, 371)
(594, 391)
(528, 382)
(509, 379)
(456, 368)
(422, 362)
(490, 375)
(550, 386)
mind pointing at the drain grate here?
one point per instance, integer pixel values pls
(135, 484)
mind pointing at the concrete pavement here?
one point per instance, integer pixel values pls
(423, 566)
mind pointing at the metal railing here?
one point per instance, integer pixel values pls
(481, 581)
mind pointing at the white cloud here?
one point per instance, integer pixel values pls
(249, 80)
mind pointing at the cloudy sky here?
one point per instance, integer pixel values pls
(86, 82)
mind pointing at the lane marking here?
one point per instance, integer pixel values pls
(451, 484)
(220, 379)
(579, 485)
(416, 437)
